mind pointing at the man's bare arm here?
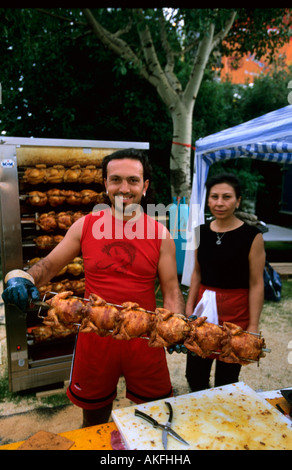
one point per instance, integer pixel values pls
(167, 271)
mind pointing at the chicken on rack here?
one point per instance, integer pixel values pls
(133, 322)
(65, 309)
(64, 220)
(204, 338)
(43, 333)
(168, 328)
(45, 242)
(56, 197)
(54, 174)
(47, 221)
(37, 198)
(35, 175)
(72, 174)
(240, 346)
(99, 317)
(161, 328)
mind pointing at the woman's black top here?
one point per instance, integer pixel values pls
(226, 265)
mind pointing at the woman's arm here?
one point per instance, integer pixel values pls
(257, 257)
(194, 287)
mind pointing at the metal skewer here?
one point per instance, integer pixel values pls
(154, 313)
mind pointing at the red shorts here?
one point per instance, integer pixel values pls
(99, 362)
(232, 305)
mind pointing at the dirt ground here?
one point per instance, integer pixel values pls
(19, 421)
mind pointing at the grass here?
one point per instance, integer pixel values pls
(29, 396)
(279, 314)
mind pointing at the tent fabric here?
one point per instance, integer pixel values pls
(266, 138)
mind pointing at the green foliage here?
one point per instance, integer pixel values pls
(58, 81)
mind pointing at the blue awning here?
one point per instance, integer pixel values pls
(267, 138)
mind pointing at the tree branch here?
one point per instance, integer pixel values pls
(200, 62)
(60, 17)
(114, 43)
(159, 80)
(206, 46)
(172, 78)
(223, 33)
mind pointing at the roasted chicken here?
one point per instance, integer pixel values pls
(55, 174)
(88, 174)
(72, 174)
(58, 174)
(45, 242)
(239, 346)
(73, 197)
(63, 220)
(168, 328)
(88, 196)
(37, 198)
(77, 215)
(204, 338)
(99, 317)
(76, 267)
(161, 328)
(133, 322)
(64, 309)
(35, 175)
(56, 197)
(77, 285)
(47, 221)
(44, 333)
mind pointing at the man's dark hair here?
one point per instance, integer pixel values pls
(134, 154)
(228, 178)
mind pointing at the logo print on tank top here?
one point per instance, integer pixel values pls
(119, 256)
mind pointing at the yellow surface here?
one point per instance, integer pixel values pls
(91, 438)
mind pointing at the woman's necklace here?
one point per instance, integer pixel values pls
(219, 238)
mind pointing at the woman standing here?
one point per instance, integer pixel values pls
(230, 261)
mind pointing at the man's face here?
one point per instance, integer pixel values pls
(125, 184)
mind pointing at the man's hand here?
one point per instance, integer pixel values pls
(20, 289)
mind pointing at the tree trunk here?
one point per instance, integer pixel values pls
(180, 158)
(179, 103)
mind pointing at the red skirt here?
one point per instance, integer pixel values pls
(232, 305)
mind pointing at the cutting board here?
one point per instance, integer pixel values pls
(230, 417)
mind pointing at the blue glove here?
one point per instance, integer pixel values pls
(178, 348)
(20, 291)
(192, 317)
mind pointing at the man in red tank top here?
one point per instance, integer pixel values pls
(124, 252)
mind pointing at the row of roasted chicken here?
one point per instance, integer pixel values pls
(162, 328)
(56, 197)
(51, 221)
(59, 174)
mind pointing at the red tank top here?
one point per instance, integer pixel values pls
(121, 258)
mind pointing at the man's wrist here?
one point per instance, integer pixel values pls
(18, 273)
